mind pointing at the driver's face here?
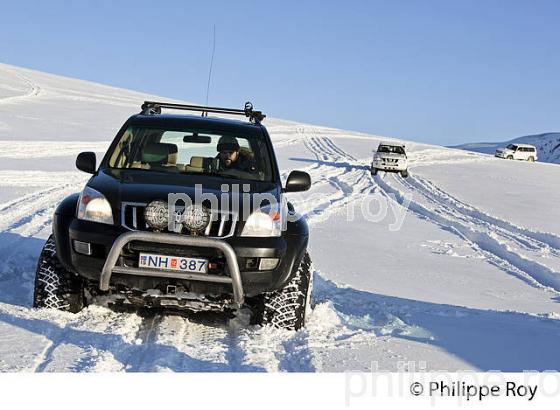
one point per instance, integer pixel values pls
(228, 157)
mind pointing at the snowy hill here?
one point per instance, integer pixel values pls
(548, 146)
(470, 281)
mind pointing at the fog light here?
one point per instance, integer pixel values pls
(251, 263)
(82, 247)
(268, 263)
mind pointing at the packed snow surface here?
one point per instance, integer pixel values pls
(463, 271)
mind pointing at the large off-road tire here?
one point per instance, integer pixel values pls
(404, 173)
(289, 307)
(55, 287)
(510, 157)
(531, 159)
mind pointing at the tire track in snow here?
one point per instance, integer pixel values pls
(21, 211)
(22, 221)
(188, 342)
(27, 217)
(202, 338)
(95, 339)
(337, 169)
(530, 271)
(142, 358)
(34, 89)
(525, 236)
(46, 356)
(329, 142)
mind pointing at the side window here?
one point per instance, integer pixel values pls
(120, 156)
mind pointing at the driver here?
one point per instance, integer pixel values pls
(231, 157)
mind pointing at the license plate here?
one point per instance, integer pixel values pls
(173, 263)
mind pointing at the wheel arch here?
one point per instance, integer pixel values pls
(297, 238)
(63, 217)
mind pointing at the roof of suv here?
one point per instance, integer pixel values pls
(524, 145)
(392, 144)
(177, 120)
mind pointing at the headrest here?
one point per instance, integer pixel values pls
(197, 162)
(158, 152)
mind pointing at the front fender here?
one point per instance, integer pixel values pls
(297, 237)
(63, 217)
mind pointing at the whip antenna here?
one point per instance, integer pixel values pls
(211, 64)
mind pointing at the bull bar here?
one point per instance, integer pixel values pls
(234, 279)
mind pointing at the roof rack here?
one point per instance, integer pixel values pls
(153, 107)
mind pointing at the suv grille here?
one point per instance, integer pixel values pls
(221, 226)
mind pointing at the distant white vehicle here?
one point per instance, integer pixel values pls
(522, 152)
(390, 157)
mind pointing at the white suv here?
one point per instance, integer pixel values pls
(390, 158)
(523, 152)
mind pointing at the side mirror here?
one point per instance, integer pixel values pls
(298, 181)
(86, 162)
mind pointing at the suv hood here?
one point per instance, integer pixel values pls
(145, 186)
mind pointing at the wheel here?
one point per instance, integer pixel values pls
(404, 173)
(289, 307)
(531, 159)
(55, 287)
(373, 171)
(509, 157)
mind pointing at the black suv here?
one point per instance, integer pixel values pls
(183, 212)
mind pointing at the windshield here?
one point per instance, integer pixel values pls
(193, 151)
(393, 149)
(512, 147)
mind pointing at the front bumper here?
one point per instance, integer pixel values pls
(390, 166)
(111, 267)
(107, 244)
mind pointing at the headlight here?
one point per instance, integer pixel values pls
(265, 222)
(93, 206)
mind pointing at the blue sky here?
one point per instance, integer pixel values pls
(440, 71)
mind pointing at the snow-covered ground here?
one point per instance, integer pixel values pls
(548, 146)
(471, 280)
